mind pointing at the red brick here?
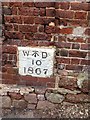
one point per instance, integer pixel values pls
(44, 4)
(50, 12)
(28, 11)
(11, 70)
(15, 26)
(80, 6)
(80, 15)
(79, 40)
(62, 5)
(63, 45)
(43, 20)
(61, 39)
(15, 4)
(40, 36)
(28, 28)
(85, 62)
(85, 46)
(9, 27)
(4, 56)
(28, 20)
(68, 83)
(5, 3)
(74, 67)
(52, 29)
(41, 28)
(14, 35)
(42, 11)
(29, 36)
(28, 4)
(28, 80)
(73, 22)
(7, 76)
(87, 31)
(14, 10)
(64, 14)
(75, 46)
(79, 98)
(13, 19)
(66, 31)
(64, 52)
(63, 60)
(75, 61)
(9, 49)
(80, 54)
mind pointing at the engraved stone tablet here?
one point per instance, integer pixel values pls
(36, 61)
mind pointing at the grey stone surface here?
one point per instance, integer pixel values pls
(19, 104)
(30, 98)
(54, 97)
(6, 102)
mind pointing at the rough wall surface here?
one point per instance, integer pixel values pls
(65, 25)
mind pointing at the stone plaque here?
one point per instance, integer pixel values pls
(36, 61)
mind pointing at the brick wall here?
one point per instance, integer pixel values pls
(61, 24)
(65, 25)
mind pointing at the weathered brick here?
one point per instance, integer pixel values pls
(80, 6)
(28, 4)
(80, 54)
(14, 35)
(15, 27)
(69, 83)
(9, 49)
(85, 62)
(28, 20)
(28, 11)
(85, 46)
(64, 14)
(50, 12)
(80, 15)
(40, 36)
(66, 30)
(62, 5)
(64, 52)
(75, 61)
(74, 67)
(29, 36)
(52, 29)
(87, 31)
(5, 3)
(7, 11)
(43, 20)
(42, 11)
(28, 28)
(79, 98)
(75, 46)
(63, 45)
(14, 10)
(13, 19)
(15, 4)
(85, 86)
(44, 4)
(41, 28)
(9, 27)
(63, 60)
